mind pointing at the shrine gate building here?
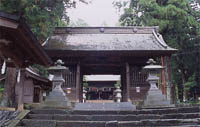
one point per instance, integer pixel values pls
(110, 50)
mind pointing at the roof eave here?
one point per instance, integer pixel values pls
(18, 24)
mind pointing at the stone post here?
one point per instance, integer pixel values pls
(57, 98)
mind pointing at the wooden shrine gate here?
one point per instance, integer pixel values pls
(109, 50)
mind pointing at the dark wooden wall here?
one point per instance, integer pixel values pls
(70, 79)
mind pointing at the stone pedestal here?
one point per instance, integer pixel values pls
(154, 98)
(57, 98)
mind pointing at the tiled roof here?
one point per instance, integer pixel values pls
(107, 39)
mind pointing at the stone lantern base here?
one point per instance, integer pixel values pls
(56, 99)
(155, 99)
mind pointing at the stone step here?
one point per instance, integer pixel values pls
(114, 125)
(38, 123)
(122, 106)
(162, 122)
(165, 122)
(50, 111)
(112, 117)
(144, 111)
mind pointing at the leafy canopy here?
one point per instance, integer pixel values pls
(179, 22)
(41, 15)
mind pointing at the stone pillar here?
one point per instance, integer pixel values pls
(78, 82)
(21, 79)
(127, 82)
(168, 78)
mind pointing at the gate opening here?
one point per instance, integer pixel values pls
(100, 88)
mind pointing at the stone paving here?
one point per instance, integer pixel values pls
(122, 106)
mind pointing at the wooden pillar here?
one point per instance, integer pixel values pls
(127, 82)
(123, 85)
(81, 88)
(163, 77)
(20, 84)
(168, 79)
(78, 82)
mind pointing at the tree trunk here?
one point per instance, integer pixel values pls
(9, 91)
(185, 97)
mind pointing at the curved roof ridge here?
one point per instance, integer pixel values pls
(105, 30)
(117, 27)
(160, 39)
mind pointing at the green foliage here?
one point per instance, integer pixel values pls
(191, 83)
(2, 86)
(41, 70)
(41, 15)
(85, 84)
(1, 89)
(118, 84)
(179, 24)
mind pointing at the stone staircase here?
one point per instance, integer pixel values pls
(176, 117)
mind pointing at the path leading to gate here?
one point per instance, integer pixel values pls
(122, 106)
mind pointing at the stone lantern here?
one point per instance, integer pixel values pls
(84, 95)
(154, 98)
(118, 94)
(57, 97)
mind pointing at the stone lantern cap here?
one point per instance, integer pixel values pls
(151, 66)
(58, 67)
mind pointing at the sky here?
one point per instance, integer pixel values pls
(95, 13)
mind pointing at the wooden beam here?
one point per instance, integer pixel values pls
(108, 64)
(15, 56)
(27, 46)
(127, 82)
(123, 85)
(81, 88)
(7, 23)
(20, 105)
(78, 83)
